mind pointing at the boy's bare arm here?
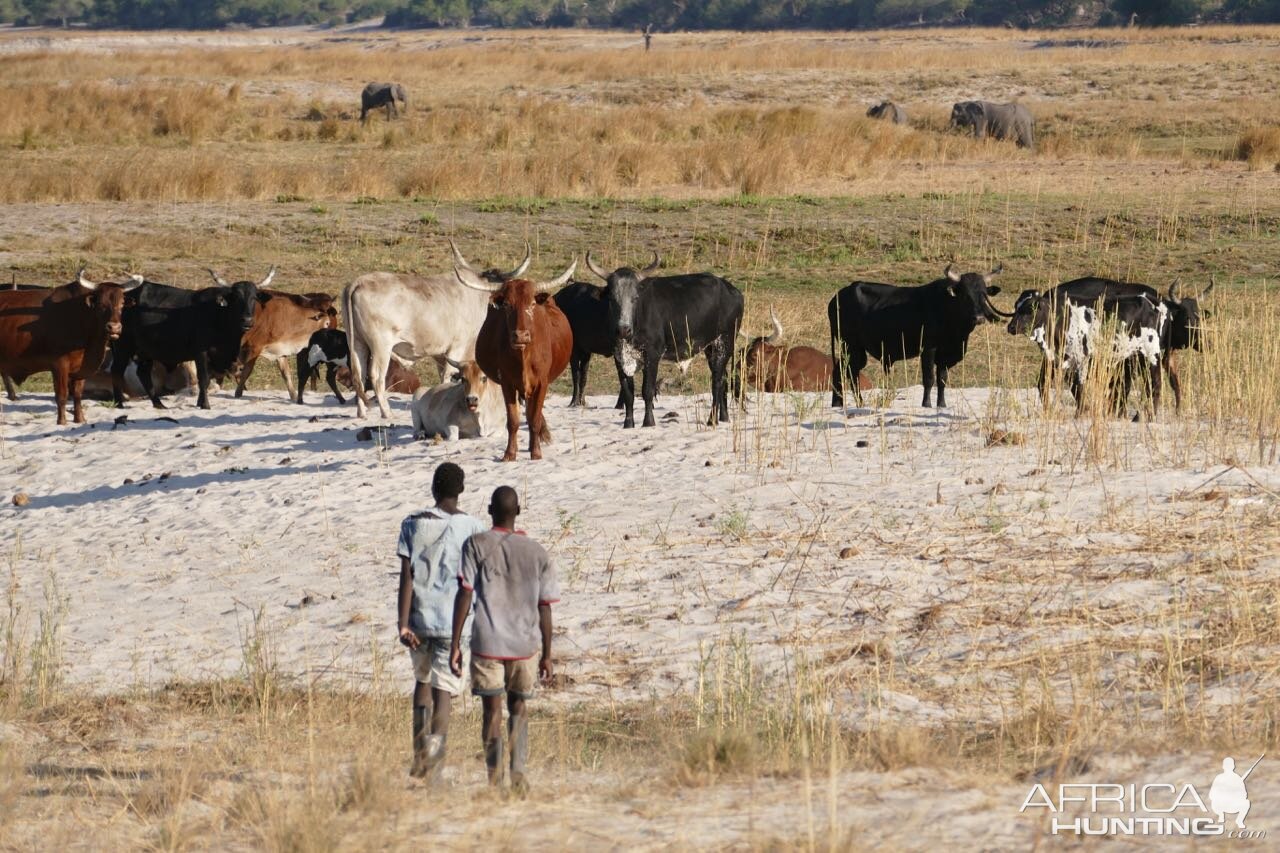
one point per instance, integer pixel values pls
(461, 607)
(405, 602)
(545, 666)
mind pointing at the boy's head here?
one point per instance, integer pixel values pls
(504, 506)
(447, 482)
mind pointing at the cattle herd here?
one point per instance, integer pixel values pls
(503, 338)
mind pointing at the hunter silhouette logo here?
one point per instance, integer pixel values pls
(1150, 808)
(1228, 794)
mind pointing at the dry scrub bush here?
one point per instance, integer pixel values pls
(1259, 147)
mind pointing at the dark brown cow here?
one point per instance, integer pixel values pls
(65, 330)
(400, 379)
(282, 325)
(524, 344)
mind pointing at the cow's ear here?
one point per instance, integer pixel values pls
(993, 290)
(541, 298)
(263, 298)
(88, 300)
(1206, 313)
(222, 301)
(951, 290)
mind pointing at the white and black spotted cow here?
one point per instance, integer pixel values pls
(1074, 335)
(327, 347)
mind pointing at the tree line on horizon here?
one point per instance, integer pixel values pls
(634, 14)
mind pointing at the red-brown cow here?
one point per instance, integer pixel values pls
(524, 344)
(282, 325)
(65, 330)
(771, 367)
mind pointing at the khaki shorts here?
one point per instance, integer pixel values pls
(431, 664)
(490, 677)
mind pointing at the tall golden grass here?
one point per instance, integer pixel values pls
(562, 116)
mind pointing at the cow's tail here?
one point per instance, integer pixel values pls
(354, 353)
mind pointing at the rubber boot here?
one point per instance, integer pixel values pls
(518, 732)
(493, 759)
(421, 721)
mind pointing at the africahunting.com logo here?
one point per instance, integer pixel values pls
(1157, 808)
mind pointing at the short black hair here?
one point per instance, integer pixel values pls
(448, 481)
(505, 503)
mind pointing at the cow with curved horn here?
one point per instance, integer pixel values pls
(892, 324)
(282, 329)
(771, 367)
(670, 318)
(1179, 330)
(408, 317)
(524, 344)
(65, 330)
(172, 325)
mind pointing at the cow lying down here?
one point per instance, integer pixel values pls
(468, 406)
(329, 347)
(181, 379)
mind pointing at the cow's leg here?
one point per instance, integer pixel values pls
(927, 357)
(60, 382)
(628, 393)
(942, 386)
(649, 387)
(360, 363)
(145, 380)
(1171, 369)
(379, 365)
(512, 402)
(10, 390)
(283, 364)
(626, 390)
(330, 376)
(1042, 382)
(202, 379)
(304, 373)
(77, 398)
(246, 370)
(120, 358)
(717, 360)
(537, 422)
(840, 366)
(578, 362)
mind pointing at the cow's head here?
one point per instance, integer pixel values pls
(622, 288)
(239, 300)
(763, 353)
(1026, 310)
(493, 275)
(474, 382)
(1185, 316)
(106, 300)
(515, 301)
(967, 114)
(974, 290)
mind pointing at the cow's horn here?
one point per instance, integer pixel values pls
(561, 280)
(270, 275)
(458, 260)
(653, 266)
(951, 273)
(524, 265)
(217, 279)
(776, 338)
(1212, 281)
(84, 282)
(137, 277)
(995, 272)
(138, 281)
(1173, 290)
(467, 278)
(595, 268)
(456, 365)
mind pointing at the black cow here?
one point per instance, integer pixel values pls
(327, 347)
(1125, 330)
(172, 325)
(892, 324)
(587, 310)
(1180, 331)
(670, 317)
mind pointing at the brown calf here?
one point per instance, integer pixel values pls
(771, 367)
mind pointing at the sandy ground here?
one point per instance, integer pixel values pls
(796, 534)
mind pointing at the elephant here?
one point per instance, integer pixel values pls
(382, 95)
(888, 110)
(1001, 121)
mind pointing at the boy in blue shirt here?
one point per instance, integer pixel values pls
(430, 550)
